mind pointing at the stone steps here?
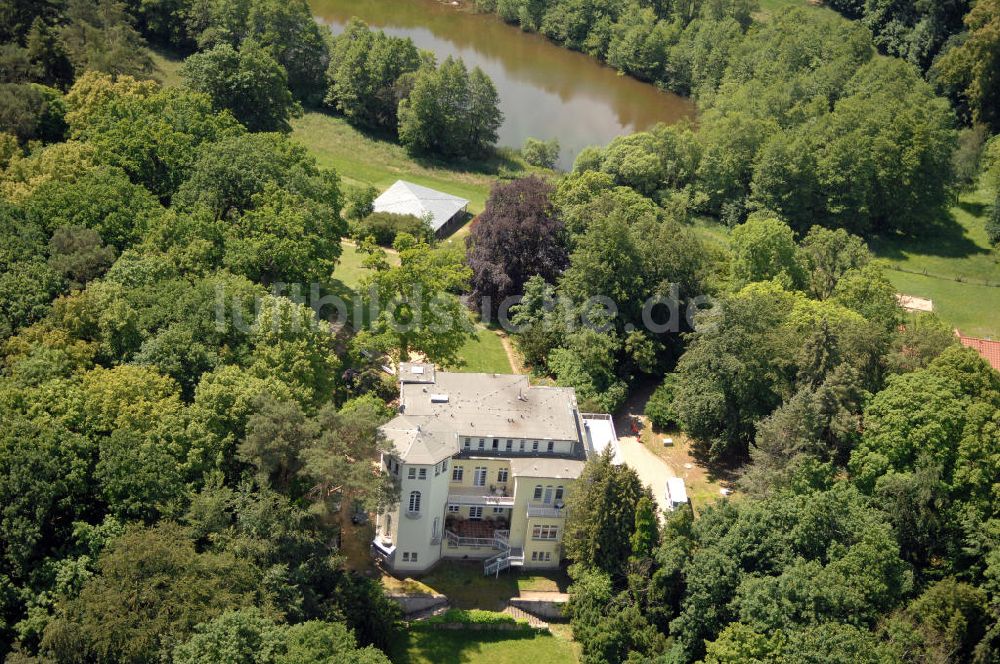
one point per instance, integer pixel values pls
(521, 614)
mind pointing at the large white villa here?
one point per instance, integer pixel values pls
(485, 463)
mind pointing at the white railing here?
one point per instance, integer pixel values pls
(498, 541)
(502, 561)
(474, 499)
(546, 512)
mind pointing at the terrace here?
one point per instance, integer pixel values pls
(476, 533)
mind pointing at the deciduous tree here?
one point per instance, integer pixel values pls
(518, 236)
(249, 83)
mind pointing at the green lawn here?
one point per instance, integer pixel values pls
(167, 66)
(769, 7)
(484, 354)
(483, 647)
(350, 269)
(954, 267)
(365, 159)
(556, 581)
(361, 158)
(467, 588)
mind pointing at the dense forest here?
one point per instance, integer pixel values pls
(171, 469)
(180, 434)
(864, 442)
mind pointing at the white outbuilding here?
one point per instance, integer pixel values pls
(445, 213)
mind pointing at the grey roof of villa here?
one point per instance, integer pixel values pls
(433, 415)
(541, 467)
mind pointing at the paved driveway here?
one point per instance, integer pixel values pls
(652, 470)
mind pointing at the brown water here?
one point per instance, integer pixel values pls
(545, 91)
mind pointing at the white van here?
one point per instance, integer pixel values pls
(676, 493)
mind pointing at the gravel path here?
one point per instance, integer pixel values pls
(652, 470)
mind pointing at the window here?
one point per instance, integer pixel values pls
(479, 477)
(522, 445)
(406, 556)
(482, 443)
(444, 465)
(496, 444)
(559, 493)
(548, 556)
(510, 444)
(545, 532)
(456, 473)
(413, 557)
(534, 446)
(454, 509)
(551, 446)
(422, 473)
(412, 474)
(548, 495)
(538, 493)
(534, 556)
(502, 475)
(476, 512)
(437, 469)
(467, 443)
(499, 510)
(414, 501)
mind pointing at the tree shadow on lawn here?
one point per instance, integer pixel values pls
(498, 163)
(455, 646)
(975, 208)
(947, 239)
(466, 587)
(500, 160)
(338, 292)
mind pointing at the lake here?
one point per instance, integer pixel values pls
(546, 91)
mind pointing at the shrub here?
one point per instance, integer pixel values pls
(385, 226)
(993, 223)
(474, 618)
(660, 407)
(358, 202)
(543, 154)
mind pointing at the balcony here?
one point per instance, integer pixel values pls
(546, 512)
(383, 549)
(480, 495)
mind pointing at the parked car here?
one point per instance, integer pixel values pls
(359, 516)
